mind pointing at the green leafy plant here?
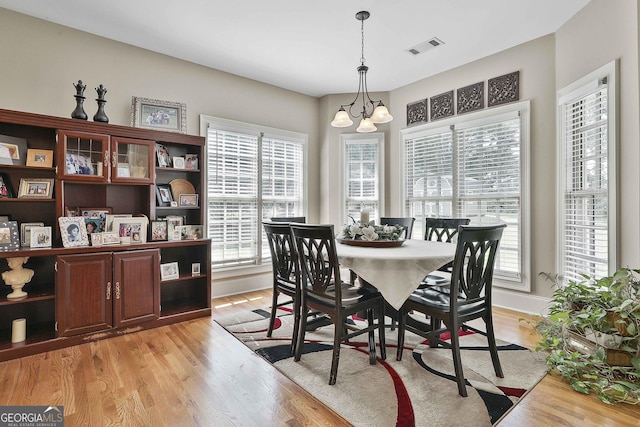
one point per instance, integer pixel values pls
(603, 310)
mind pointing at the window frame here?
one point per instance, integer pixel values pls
(521, 282)
(263, 260)
(569, 94)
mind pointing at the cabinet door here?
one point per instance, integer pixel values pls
(136, 293)
(132, 160)
(83, 296)
(83, 156)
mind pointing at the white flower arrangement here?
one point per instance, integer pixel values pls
(370, 232)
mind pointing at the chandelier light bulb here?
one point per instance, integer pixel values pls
(381, 114)
(341, 119)
(366, 125)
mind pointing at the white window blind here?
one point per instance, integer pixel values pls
(363, 169)
(252, 177)
(585, 182)
(471, 169)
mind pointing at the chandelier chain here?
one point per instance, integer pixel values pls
(362, 45)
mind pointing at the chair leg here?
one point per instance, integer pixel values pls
(372, 339)
(381, 331)
(457, 362)
(402, 318)
(274, 307)
(337, 339)
(304, 312)
(493, 348)
(296, 324)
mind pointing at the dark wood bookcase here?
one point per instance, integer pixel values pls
(87, 293)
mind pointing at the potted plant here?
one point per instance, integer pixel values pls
(592, 334)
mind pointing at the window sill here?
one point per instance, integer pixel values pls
(235, 272)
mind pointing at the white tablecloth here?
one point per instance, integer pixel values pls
(396, 272)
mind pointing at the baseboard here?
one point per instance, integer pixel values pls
(518, 301)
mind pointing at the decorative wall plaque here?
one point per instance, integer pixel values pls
(504, 89)
(442, 106)
(470, 98)
(417, 112)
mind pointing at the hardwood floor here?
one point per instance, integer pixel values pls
(196, 374)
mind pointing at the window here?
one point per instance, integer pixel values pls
(254, 173)
(474, 166)
(586, 174)
(363, 172)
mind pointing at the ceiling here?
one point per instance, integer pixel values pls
(313, 47)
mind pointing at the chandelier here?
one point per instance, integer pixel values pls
(373, 112)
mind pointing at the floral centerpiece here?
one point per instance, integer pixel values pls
(370, 232)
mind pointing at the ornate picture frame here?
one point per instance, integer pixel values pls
(32, 188)
(159, 115)
(9, 237)
(73, 231)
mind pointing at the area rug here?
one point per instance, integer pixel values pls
(420, 390)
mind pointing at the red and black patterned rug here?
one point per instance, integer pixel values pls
(418, 391)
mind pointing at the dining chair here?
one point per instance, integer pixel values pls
(441, 230)
(301, 219)
(467, 298)
(324, 291)
(405, 222)
(286, 276)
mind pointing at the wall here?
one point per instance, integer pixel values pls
(41, 61)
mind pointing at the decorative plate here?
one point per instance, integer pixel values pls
(372, 244)
(181, 186)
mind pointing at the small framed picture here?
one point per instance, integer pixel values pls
(162, 156)
(169, 271)
(178, 162)
(12, 150)
(95, 212)
(164, 196)
(159, 115)
(39, 158)
(174, 221)
(191, 232)
(94, 225)
(5, 218)
(131, 230)
(5, 186)
(195, 269)
(25, 232)
(110, 238)
(191, 161)
(36, 188)
(96, 239)
(188, 200)
(9, 238)
(108, 223)
(73, 231)
(158, 231)
(40, 237)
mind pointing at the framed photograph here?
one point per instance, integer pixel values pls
(191, 161)
(188, 200)
(131, 230)
(195, 269)
(78, 164)
(40, 237)
(6, 191)
(108, 224)
(164, 195)
(169, 271)
(191, 232)
(158, 230)
(94, 225)
(178, 162)
(174, 221)
(13, 151)
(39, 158)
(100, 213)
(96, 239)
(73, 231)
(25, 232)
(9, 238)
(162, 156)
(35, 188)
(160, 115)
(110, 238)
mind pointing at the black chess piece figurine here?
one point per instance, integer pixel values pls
(79, 113)
(100, 115)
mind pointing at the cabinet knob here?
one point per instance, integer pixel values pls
(108, 291)
(117, 290)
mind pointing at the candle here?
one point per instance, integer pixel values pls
(19, 330)
(364, 217)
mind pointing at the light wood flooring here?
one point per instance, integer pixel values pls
(196, 374)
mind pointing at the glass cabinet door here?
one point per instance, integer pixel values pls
(132, 160)
(83, 156)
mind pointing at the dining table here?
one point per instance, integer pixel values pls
(396, 271)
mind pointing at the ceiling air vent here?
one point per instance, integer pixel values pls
(425, 46)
